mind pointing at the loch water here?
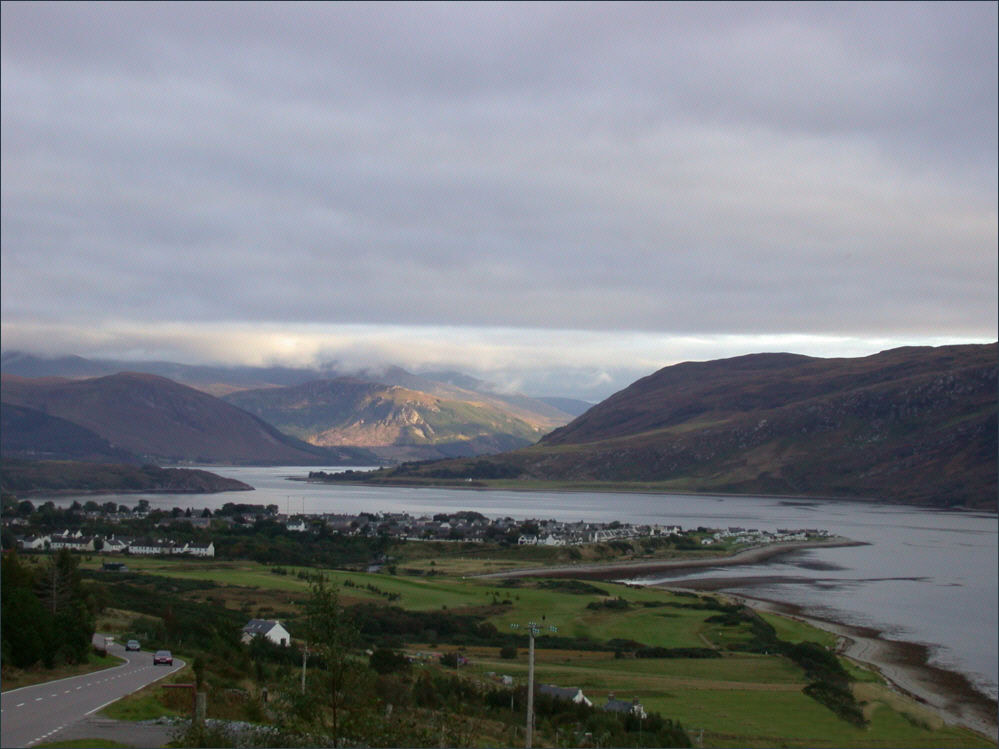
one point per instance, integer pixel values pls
(923, 576)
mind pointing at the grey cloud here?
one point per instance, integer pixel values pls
(665, 167)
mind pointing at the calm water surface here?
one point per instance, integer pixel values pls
(926, 576)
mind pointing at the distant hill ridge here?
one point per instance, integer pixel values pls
(152, 417)
(914, 424)
(391, 413)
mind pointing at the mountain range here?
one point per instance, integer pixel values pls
(70, 407)
(139, 417)
(915, 425)
(912, 425)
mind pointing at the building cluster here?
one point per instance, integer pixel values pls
(756, 537)
(470, 526)
(77, 541)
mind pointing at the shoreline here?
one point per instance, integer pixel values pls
(904, 665)
(598, 488)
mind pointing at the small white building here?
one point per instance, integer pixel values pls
(115, 545)
(570, 694)
(34, 542)
(148, 546)
(196, 549)
(269, 628)
(72, 542)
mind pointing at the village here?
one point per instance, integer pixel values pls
(463, 526)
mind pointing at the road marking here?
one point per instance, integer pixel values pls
(19, 704)
(39, 699)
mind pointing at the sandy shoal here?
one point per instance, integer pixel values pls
(611, 570)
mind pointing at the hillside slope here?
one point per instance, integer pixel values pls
(392, 420)
(27, 433)
(910, 425)
(158, 419)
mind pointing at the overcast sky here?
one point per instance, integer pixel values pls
(556, 197)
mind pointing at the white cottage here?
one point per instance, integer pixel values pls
(269, 628)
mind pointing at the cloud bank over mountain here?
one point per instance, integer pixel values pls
(512, 188)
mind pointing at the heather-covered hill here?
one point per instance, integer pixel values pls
(911, 425)
(27, 433)
(158, 419)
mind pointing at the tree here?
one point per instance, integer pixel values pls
(331, 636)
(24, 622)
(60, 590)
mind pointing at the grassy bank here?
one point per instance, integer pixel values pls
(15, 678)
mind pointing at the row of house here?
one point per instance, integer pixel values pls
(77, 541)
(756, 536)
(576, 696)
(471, 527)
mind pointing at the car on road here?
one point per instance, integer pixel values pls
(133, 645)
(163, 656)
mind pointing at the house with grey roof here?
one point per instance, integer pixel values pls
(269, 628)
(623, 706)
(570, 694)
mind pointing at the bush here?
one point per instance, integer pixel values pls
(387, 661)
(509, 652)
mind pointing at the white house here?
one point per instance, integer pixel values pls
(570, 694)
(269, 628)
(148, 546)
(72, 542)
(196, 549)
(34, 542)
(115, 544)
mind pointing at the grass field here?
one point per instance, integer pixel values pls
(740, 699)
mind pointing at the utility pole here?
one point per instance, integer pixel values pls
(305, 656)
(533, 628)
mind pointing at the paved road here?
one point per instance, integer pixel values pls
(32, 714)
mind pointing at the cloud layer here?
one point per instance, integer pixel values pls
(651, 170)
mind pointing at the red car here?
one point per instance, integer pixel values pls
(163, 656)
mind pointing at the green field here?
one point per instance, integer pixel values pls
(739, 699)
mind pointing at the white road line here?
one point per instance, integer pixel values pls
(19, 704)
